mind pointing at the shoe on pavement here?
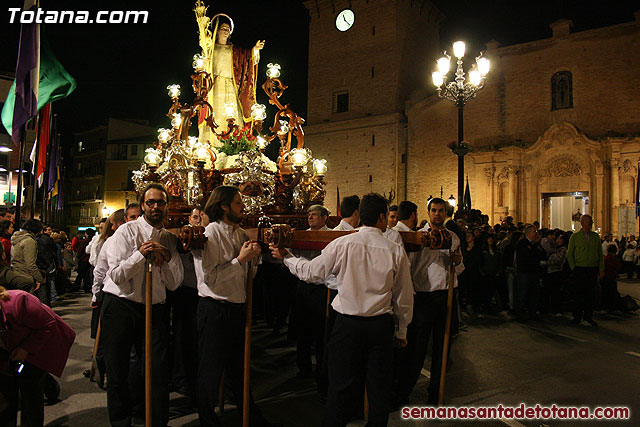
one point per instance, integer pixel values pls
(584, 323)
(591, 322)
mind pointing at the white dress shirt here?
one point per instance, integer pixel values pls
(125, 276)
(373, 276)
(331, 281)
(400, 226)
(430, 267)
(219, 273)
(394, 236)
(344, 226)
(100, 271)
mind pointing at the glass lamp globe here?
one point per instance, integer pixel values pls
(173, 90)
(273, 70)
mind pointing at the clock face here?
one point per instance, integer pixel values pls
(345, 20)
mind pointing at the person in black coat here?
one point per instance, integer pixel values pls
(528, 254)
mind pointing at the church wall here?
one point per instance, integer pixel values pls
(352, 159)
(514, 109)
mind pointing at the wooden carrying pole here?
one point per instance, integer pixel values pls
(147, 345)
(247, 348)
(447, 332)
(96, 344)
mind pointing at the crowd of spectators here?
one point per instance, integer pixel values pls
(524, 269)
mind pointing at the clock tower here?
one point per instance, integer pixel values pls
(367, 59)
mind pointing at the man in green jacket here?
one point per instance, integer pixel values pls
(587, 262)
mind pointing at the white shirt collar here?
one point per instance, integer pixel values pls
(146, 227)
(345, 225)
(367, 229)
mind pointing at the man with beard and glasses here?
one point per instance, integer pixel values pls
(430, 274)
(123, 310)
(222, 268)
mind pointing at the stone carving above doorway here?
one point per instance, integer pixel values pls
(561, 166)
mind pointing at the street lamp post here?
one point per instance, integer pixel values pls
(459, 92)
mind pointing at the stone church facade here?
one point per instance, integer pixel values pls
(557, 116)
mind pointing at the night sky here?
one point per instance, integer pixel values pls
(123, 70)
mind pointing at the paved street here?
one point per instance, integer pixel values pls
(494, 361)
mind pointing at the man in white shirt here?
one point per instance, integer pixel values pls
(350, 214)
(123, 309)
(430, 274)
(407, 216)
(222, 269)
(374, 289)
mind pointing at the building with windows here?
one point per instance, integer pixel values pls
(556, 129)
(99, 176)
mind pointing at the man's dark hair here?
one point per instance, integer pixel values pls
(33, 226)
(153, 186)
(405, 209)
(436, 201)
(393, 208)
(371, 207)
(90, 232)
(132, 206)
(349, 205)
(3, 212)
(220, 196)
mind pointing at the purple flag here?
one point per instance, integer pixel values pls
(27, 75)
(54, 155)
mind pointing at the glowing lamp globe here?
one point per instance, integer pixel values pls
(284, 127)
(483, 66)
(273, 70)
(199, 62)
(458, 49)
(299, 157)
(163, 134)
(437, 78)
(320, 166)
(475, 77)
(258, 111)
(176, 120)
(173, 91)
(444, 64)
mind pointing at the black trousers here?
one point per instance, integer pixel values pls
(29, 385)
(277, 283)
(184, 345)
(84, 279)
(221, 348)
(123, 327)
(360, 347)
(586, 282)
(429, 318)
(311, 304)
(527, 294)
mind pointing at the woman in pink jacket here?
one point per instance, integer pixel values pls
(33, 341)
